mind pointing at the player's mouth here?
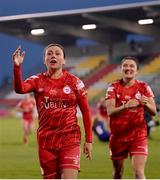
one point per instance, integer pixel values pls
(128, 72)
(53, 61)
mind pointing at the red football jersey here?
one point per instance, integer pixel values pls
(27, 107)
(57, 101)
(130, 121)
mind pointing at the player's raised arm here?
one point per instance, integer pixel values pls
(20, 86)
(18, 57)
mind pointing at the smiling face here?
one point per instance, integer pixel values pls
(129, 69)
(54, 57)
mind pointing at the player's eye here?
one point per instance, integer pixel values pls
(49, 53)
(132, 66)
(125, 65)
(58, 54)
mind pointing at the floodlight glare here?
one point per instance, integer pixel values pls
(145, 21)
(89, 26)
(37, 32)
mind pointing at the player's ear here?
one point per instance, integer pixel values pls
(64, 62)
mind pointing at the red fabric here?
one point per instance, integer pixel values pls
(57, 101)
(27, 107)
(53, 161)
(124, 124)
(102, 109)
(121, 149)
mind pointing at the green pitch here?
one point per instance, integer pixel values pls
(18, 161)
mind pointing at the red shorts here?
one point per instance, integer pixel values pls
(120, 150)
(28, 117)
(53, 161)
(30, 121)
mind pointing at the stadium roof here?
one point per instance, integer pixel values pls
(114, 24)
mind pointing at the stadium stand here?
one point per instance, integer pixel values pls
(87, 65)
(100, 84)
(152, 67)
(100, 72)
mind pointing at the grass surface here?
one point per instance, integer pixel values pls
(18, 161)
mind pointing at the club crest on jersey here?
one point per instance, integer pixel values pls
(67, 90)
(138, 95)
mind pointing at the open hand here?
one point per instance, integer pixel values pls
(88, 150)
(132, 103)
(18, 56)
(144, 100)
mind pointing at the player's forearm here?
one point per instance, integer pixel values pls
(83, 104)
(115, 110)
(87, 127)
(151, 108)
(19, 85)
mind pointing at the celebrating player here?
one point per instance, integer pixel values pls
(27, 106)
(57, 94)
(126, 100)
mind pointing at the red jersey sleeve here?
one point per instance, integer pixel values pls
(110, 93)
(148, 91)
(84, 107)
(21, 86)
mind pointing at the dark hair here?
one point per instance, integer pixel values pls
(131, 58)
(60, 46)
